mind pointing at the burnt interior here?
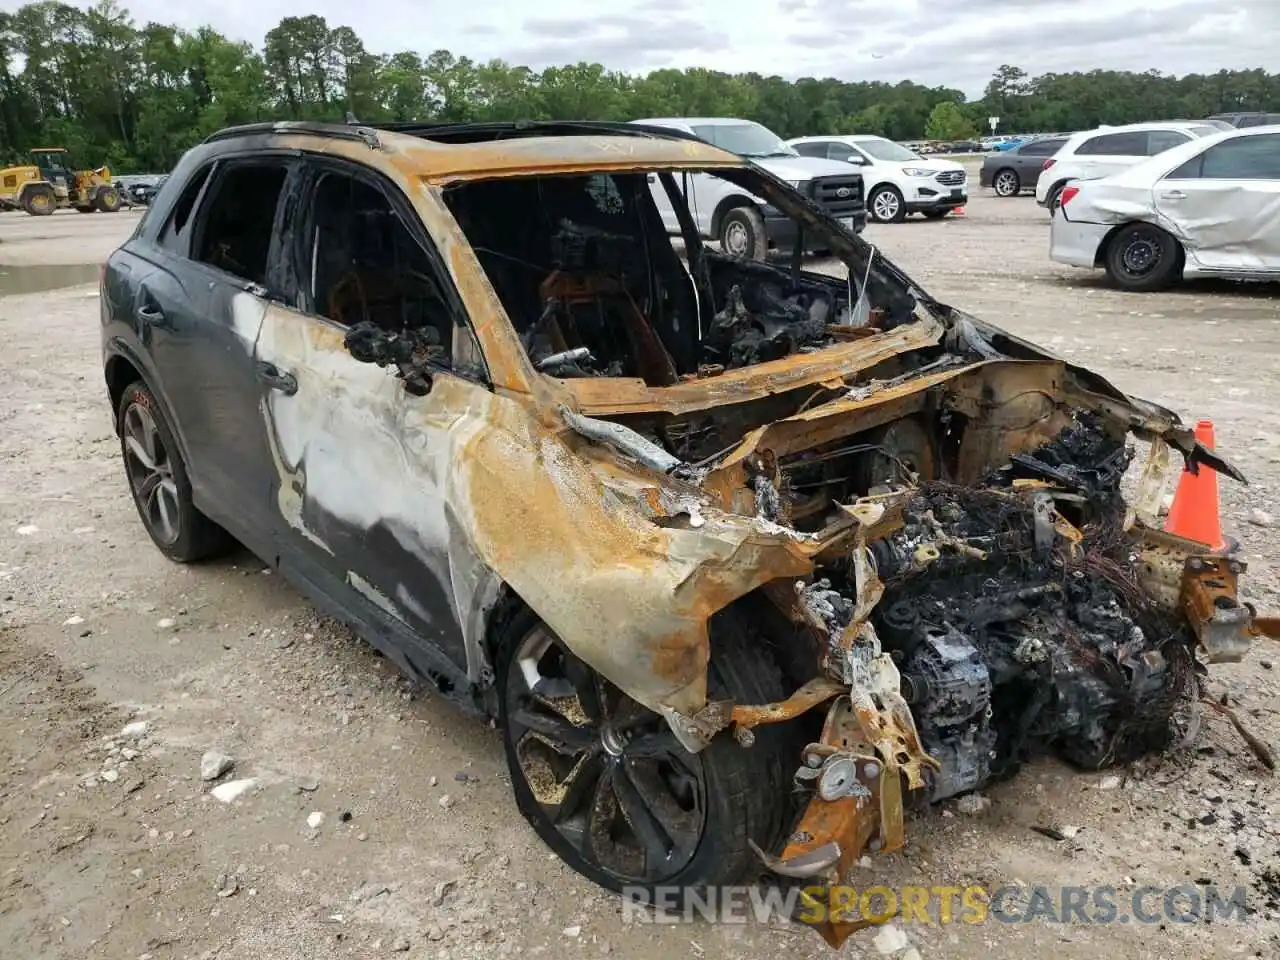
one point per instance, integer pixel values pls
(587, 272)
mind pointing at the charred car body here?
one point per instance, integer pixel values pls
(742, 558)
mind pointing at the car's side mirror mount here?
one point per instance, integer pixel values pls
(412, 351)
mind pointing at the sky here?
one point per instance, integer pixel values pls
(938, 43)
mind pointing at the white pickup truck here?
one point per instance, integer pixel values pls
(745, 225)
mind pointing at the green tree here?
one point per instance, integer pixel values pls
(948, 122)
(137, 96)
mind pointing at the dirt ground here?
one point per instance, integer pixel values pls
(112, 847)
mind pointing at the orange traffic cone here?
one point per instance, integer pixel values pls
(1195, 513)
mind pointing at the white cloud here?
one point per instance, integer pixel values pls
(951, 44)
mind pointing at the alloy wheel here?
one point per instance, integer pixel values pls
(885, 205)
(604, 772)
(150, 472)
(1006, 183)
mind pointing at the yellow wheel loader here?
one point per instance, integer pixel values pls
(49, 184)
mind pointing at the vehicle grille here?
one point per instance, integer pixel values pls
(951, 178)
(838, 196)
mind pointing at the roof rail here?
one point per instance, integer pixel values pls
(478, 131)
(364, 133)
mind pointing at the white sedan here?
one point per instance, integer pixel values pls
(1210, 207)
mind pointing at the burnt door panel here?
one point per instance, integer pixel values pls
(362, 489)
(215, 299)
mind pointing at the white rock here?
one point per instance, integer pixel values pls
(446, 802)
(129, 753)
(27, 529)
(400, 945)
(1069, 832)
(314, 819)
(573, 931)
(168, 623)
(972, 803)
(1109, 783)
(226, 792)
(911, 954)
(1260, 518)
(73, 620)
(136, 729)
(890, 939)
(111, 776)
(214, 764)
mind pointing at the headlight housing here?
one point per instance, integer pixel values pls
(918, 172)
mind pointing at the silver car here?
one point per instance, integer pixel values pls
(1210, 207)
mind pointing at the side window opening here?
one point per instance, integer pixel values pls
(1158, 141)
(594, 290)
(367, 268)
(175, 236)
(238, 215)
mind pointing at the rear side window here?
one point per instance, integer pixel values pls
(1132, 144)
(176, 236)
(1041, 148)
(234, 231)
(818, 149)
(1245, 158)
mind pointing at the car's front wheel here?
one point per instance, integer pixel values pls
(609, 788)
(1142, 257)
(159, 481)
(1006, 183)
(886, 205)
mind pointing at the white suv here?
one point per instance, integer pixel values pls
(1099, 153)
(898, 181)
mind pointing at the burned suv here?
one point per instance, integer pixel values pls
(741, 558)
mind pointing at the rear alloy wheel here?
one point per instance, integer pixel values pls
(159, 483)
(606, 784)
(742, 234)
(1006, 183)
(1142, 257)
(886, 205)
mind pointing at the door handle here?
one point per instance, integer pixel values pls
(1173, 195)
(152, 316)
(277, 379)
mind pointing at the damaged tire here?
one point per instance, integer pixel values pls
(159, 483)
(606, 785)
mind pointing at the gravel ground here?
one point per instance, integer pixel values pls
(112, 846)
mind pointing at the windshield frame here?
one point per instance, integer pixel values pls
(709, 131)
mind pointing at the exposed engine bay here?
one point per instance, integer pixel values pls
(588, 274)
(1015, 614)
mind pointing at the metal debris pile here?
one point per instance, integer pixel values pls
(1018, 631)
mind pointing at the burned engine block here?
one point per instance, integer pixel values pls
(1012, 638)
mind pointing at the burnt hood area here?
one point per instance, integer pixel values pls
(594, 286)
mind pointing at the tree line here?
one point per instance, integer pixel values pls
(135, 97)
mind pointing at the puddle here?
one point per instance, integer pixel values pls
(39, 277)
